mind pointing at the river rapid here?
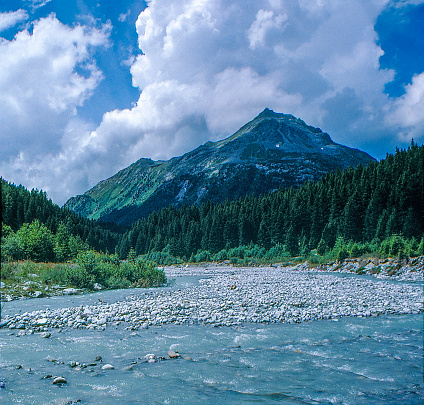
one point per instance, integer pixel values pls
(220, 337)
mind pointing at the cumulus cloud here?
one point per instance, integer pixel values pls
(225, 62)
(10, 19)
(206, 67)
(408, 111)
(45, 75)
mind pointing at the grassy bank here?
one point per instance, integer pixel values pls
(89, 271)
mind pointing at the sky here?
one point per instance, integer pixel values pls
(88, 87)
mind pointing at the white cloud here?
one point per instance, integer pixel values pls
(40, 88)
(44, 76)
(206, 68)
(265, 24)
(408, 111)
(36, 4)
(123, 16)
(10, 19)
(244, 56)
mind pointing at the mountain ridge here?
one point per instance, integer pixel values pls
(271, 151)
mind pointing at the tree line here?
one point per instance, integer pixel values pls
(35, 228)
(364, 205)
(360, 208)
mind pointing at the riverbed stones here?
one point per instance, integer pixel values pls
(262, 295)
(173, 355)
(59, 380)
(108, 367)
(70, 291)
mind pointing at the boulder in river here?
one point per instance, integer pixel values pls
(173, 355)
(108, 367)
(59, 380)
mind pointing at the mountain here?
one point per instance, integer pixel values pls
(273, 150)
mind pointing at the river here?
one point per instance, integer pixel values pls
(347, 360)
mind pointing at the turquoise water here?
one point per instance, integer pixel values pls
(351, 361)
(374, 360)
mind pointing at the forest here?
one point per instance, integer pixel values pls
(376, 208)
(33, 227)
(364, 209)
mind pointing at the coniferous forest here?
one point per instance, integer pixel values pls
(28, 215)
(353, 211)
(361, 207)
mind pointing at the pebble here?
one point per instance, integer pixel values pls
(173, 355)
(59, 380)
(262, 295)
(108, 367)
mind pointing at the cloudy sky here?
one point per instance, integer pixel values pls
(87, 87)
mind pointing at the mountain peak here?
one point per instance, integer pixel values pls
(288, 118)
(271, 130)
(271, 151)
(268, 113)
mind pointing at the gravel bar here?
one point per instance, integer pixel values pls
(227, 296)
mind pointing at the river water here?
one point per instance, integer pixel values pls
(351, 360)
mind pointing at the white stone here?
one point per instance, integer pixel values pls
(108, 367)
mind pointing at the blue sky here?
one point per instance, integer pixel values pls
(88, 87)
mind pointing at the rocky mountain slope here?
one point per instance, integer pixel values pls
(271, 151)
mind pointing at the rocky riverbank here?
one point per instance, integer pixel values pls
(227, 296)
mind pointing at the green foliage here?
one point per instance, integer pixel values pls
(202, 256)
(220, 256)
(37, 241)
(322, 247)
(54, 274)
(79, 277)
(162, 258)
(108, 271)
(277, 253)
(365, 205)
(340, 251)
(9, 271)
(70, 232)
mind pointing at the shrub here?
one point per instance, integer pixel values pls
(221, 255)
(9, 271)
(54, 274)
(117, 282)
(12, 248)
(162, 258)
(342, 254)
(397, 246)
(278, 252)
(79, 277)
(203, 256)
(356, 250)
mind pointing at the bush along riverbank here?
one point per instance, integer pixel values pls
(93, 272)
(90, 271)
(230, 296)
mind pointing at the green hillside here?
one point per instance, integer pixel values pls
(366, 205)
(32, 213)
(272, 151)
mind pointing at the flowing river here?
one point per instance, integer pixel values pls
(340, 360)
